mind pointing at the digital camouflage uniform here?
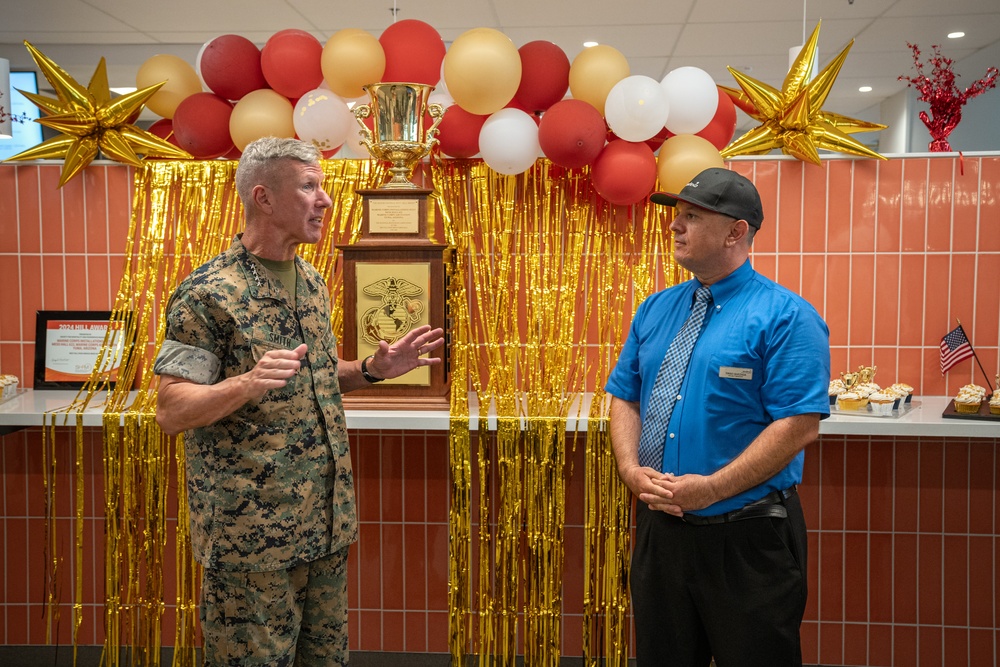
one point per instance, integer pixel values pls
(269, 486)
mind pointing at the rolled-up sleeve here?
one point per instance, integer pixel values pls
(190, 347)
(188, 362)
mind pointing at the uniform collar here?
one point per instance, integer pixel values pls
(725, 289)
(260, 281)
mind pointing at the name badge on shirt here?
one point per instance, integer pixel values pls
(734, 373)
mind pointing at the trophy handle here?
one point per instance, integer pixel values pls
(362, 111)
(436, 112)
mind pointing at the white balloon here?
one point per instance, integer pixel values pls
(444, 99)
(508, 141)
(197, 63)
(636, 108)
(693, 99)
(441, 86)
(323, 118)
(353, 149)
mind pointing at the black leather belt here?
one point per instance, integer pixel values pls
(770, 506)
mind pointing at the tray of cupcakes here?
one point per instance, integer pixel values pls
(975, 402)
(858, 394)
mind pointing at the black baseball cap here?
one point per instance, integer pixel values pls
(719, 190)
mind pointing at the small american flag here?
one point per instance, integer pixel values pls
(954, 348)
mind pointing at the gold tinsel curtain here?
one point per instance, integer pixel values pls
(546, 276)
(543, 284)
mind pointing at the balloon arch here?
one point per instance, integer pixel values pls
(505, 104)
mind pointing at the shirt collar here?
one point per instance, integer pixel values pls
(726, 289)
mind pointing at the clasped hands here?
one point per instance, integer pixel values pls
(666, 492)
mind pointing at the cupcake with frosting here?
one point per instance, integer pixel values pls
(8, 386)
(851, 400)
(995, 403)
(836, 388)
(969, 399)
(881, 402)
(905, 390)
(867, 389)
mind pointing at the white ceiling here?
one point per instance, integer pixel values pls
(655, 36)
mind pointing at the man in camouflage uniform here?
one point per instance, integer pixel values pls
(249, 372)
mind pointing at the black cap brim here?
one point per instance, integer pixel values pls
(664, 198)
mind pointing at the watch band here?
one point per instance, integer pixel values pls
(364, 370)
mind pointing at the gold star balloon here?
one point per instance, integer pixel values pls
(792, 118)
(89, 120)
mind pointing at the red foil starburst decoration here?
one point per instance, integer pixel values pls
(946, 100)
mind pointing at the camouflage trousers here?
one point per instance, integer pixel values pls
(281, 618)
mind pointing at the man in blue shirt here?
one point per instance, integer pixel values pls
(719, 561)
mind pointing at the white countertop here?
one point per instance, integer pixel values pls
(28, 408)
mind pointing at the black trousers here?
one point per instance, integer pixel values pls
(733, 591)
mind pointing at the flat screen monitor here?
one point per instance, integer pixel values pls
(24, 130)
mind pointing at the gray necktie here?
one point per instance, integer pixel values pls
(668, 383)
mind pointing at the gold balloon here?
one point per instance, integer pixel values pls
(482, 70)
(792, 119)
(179, 80)
(681, 158)
(88, 120)
(594, 72)
(352, 58)
(261, 113)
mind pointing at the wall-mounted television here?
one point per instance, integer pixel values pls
(24, 130)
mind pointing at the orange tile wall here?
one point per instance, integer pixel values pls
(904, 558)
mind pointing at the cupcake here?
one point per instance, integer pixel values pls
(881, 403)
(8, 386)
(969, 399)
(995, 403)
(905, 390)
(835, 389)
(850, 400)
(865, 389)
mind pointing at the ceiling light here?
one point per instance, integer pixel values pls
(956, 35)
(865, 89)
(589, 44)
(123, 90)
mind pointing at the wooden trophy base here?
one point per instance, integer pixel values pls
(394, 281)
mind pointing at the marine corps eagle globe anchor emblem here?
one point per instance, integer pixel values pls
(392, 318)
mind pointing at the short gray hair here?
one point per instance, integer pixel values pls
(259, 157)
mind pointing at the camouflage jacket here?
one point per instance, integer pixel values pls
(270, 485)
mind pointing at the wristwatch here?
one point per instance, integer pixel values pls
(364, 370)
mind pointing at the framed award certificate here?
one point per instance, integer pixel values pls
(71, 344)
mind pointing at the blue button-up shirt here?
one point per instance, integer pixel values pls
(763, 355)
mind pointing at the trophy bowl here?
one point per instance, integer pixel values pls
(398, 135)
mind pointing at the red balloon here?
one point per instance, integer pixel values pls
(572, 133)
(164, 129)
(624, 173)
(201, 125)
(720, 129)
(414, 51)
(459, 132)
(544, 76)
(290, 61)
(230, 66)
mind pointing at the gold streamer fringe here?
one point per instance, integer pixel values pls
(183, 213)
(545, 280)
